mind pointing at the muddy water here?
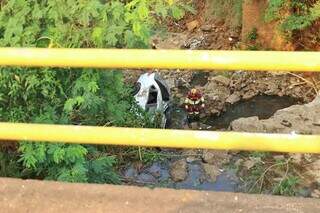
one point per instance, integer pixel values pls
(227, 181)
(262, 106)
(157, 175)
(199, 79)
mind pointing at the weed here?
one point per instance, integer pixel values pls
(273, 10)
(278, 176)
(253, 35)
(9, 167)
(287, 186)
(259, 154)
(302, 14)
(152, 155)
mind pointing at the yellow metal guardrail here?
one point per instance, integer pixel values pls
(161, 138)
(169, 59)
(166, 59)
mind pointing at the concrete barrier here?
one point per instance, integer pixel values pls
(43, 196)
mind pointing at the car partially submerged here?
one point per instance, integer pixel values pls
(153, 95)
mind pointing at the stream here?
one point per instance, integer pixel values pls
(158, 173)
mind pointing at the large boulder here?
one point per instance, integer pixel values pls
(302, 119)
(179, 170)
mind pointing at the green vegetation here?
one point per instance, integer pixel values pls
(227, 10)
(253, 35)
(287, 186)
(73, 96)
(265, 173)
(302, 14)
(9, 167)
(273, 11)
(251, 40)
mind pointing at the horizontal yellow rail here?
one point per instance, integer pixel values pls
(166, 59)
(161, 138)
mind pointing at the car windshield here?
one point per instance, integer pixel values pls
(136, 88)
(164, 91)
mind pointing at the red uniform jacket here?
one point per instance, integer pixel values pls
(194, 102)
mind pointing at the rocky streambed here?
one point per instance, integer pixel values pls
(236, 101)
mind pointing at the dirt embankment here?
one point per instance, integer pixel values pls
(308, 39)
(268, 35)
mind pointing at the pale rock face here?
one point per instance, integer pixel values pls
(179, 170)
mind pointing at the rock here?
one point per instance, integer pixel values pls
(274, 126)
(170, 82)
(286, 123)
(215, 157)
(273, 89)
(214, 112)
(249, 164)
(315, 193)
(316, 123)
(204, 126)
(250, 94)
(146, 178)
(206, 28)
(195, 43)
(239, 162)
(234, 35)
(279, 157)
(304, 192)
(179, 170)
(178, 82)
(308, 157)
(222, 80)
(212, 171)
(215, 96)
(192, 25)
(191, 159)
(298, 118)
(245, 124)
(235, 97)
(296, 158)
(192, 155)
(313, 170)
(186, 127)
(131, 173)
(155, 170)
(194, 125)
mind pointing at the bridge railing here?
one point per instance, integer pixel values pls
(167, 59)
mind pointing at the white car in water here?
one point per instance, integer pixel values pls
(153, 95)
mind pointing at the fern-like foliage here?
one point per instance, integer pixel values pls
(74, 96)
(303, 15)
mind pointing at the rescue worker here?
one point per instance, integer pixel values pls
(194, 104)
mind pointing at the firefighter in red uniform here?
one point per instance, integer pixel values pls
(194, 104)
